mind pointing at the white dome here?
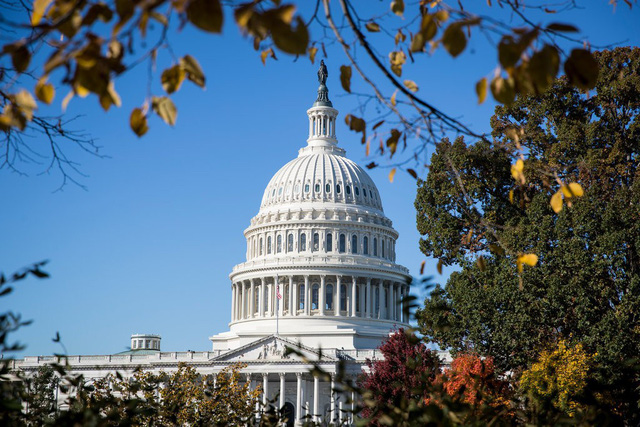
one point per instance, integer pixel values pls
(321, 175)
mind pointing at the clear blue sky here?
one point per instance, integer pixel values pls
(149, 246)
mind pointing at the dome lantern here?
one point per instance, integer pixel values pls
(322, 115)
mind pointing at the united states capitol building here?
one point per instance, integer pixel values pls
(320, 276)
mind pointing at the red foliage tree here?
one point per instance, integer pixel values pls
(405, 373)
(474, 381)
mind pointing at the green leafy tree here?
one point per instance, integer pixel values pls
(586, 289)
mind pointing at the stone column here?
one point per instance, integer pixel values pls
(261, 301)
(353, 297)
(252, 303)
(296, 299)
(265, 390)
(380, 298)
(362, 294)
(281, 390)
(298, 396)
(233, 302)
(338, 293)
(307, 299)
(291, 296)
(269, 299)
(369, 307)
(316, 395)
(243, 301)
(321, 295)
(383, 295)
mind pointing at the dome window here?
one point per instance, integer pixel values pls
(301, 294)
(290, 243)
(273, 193)
(297, 188)
(338, 190)
(327, 188)
(365, 245)
(279, 243)
(260, 247)
(317, 188)
(314, 296)
(364, 192)
(316, 242)
(354, 244)
(347, 188)
(268, 245)
(329, 297)
(357, 191)
(343, 297)
(279, 191)
(303, 242)
(375, 246)
(382, 247)
(342, 244)
(306, 188)
(329, 242)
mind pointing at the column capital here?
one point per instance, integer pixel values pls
(282, 374)
(299, 374)
(265, 375)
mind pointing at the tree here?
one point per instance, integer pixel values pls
(586, 289)
(403, 375)
(84, 47)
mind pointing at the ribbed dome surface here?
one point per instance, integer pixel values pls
(322, 176)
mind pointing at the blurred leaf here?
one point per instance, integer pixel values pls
(439, 266)
(565, 28)
(164, 107)
(503, 90)
(397, 59)
(44, 91)
(482, 265)
(543, 67)
(138, 122)
(411, 85)
(412, 173)
(193, 70)
(345, 77)
(556, 202)
(529, 259)
(481, 90)
(289, 39)
(372, 27)
(392, 141)
(372, 165)
(172, 78)
(581, 69)
(265, 54)
(454, 39)
(20, 58)
(422, 264)
(39, 8)
(392, 174)
(393, 98)
(206, 15)
(312, 54)
(397, 7)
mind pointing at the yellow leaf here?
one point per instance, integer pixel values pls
(65, 101)
(345, 77)
(392, 174)
(422, 267)
(516, 171)
(481, 90)
(575, 189)
(439, 266)
(510, 196)
(411, 85)
(529, 259)
(372, 27)
(138, 122)
(206, 15)
(39, 7)
(556, 202)
(312, 54)
(368, 147)
(397, 7)
(393, 98)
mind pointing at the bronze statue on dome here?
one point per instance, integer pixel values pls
(322, 73)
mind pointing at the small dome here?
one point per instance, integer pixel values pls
(322, 174)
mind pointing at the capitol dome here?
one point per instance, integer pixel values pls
(320, 263)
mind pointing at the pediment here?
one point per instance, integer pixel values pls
(272, 349)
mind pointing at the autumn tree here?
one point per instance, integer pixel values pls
(403, 375)
(517, 199)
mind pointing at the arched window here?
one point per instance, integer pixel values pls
(301, 295)
(364, 192)
(348, 189)
(338, 190)
(327, 188)
(329, 242)
(290, 243)
(279, 191)
(268, 245)
(375, 246)
(357, 298)
(256, 299)
(306, 188)
(328, 297)
(357, 191)
(376, 301)
(314, 296)
(316, 242)
(303, 242)
(343, 297)
(354, 244)
(382, 247)
(317, 188)
(365, 245)
(260, 249)
(279, 244)
(342, 245)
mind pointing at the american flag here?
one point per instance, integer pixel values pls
(278, 294)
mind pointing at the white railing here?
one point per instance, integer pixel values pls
(321, 260)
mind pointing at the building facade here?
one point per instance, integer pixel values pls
(320, 276)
